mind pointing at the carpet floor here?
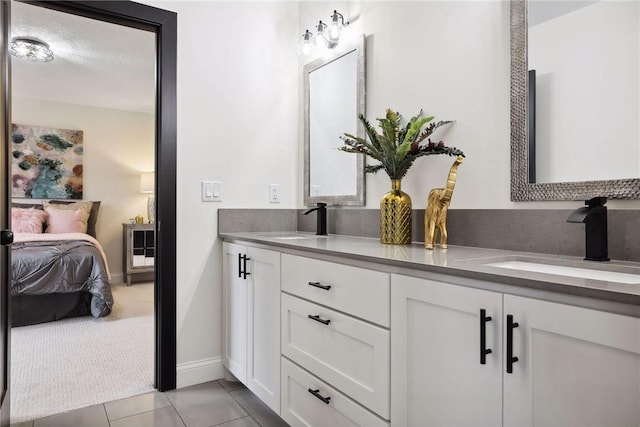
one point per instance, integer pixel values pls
(79, 362)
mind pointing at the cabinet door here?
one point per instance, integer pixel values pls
(234, 312)
(263, 351)
(576, 367)
(436, 375)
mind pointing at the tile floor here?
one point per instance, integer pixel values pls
(217, 403)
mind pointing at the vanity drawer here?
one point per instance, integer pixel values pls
(347, 287)
(301, 408)
(351, 355)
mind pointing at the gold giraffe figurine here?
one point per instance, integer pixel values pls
(435, 218)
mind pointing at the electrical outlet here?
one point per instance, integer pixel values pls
(211, 191)
(274, 193)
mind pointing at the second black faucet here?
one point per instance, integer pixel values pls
(594, 216)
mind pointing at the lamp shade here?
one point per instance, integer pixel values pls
(147, 182)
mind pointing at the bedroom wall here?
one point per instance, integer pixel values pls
(118, 145)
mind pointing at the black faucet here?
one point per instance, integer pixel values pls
(594, 216)
(321, 225)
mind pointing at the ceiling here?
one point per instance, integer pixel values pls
(544, 10)
(95, 63)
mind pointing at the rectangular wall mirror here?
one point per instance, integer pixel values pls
(575, 100)
(334, 92)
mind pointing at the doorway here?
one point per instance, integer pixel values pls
(163, 24)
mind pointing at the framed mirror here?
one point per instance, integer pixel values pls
(575, 100)
(334, 97)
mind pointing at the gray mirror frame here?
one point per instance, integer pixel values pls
(521, 189)
(357, 199)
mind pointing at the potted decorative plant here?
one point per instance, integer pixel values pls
(396, 148)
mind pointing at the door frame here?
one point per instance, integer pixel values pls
(164, 24)
(5, 203)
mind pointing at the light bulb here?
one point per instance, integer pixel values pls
(321, 38)
(306, 48)
(334, 32)
(337, 22)
(306, 44)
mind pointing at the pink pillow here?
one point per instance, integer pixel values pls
(27, 220)
(66, 221)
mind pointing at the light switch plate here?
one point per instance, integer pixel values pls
(211, 191)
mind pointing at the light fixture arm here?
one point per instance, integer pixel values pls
(321, 27)
(307, 35)
(337, 15)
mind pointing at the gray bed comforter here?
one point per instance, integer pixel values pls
(64, 266)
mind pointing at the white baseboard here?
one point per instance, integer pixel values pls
(200, 371)
(117, 279)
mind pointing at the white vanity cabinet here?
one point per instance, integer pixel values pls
(581, 367)
(335, 344)
(251, 319)
(576, 367)
(437, 375)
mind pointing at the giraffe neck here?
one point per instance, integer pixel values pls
(451, 180)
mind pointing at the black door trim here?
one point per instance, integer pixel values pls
(164, 24)
(5, 203)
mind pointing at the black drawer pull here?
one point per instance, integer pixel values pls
(318, 319)
(318, 285)
(483, 336)
(316, 393)
(511, 325)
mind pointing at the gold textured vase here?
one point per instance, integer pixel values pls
(395, 216)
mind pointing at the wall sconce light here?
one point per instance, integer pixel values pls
(147, 186)
(29, 49)
(325, 37)
(322, 40)
(306, 44)
(337, 24)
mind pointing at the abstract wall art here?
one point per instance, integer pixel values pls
(46, 162)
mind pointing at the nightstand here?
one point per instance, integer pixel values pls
(139, 249)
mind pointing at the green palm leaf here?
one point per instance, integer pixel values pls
(396, 147)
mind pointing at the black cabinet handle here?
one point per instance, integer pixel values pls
(244, 267)
(318, 319)
(239, 265)
(316, 393)
(511, 325)
(483, 336)
(318, 285)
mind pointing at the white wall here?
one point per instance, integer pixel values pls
(587, 87)
(237, 123)
(118, 145)
(452, 59)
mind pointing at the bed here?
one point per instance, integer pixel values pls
(56, 275)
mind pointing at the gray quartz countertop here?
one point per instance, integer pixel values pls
(463, 261)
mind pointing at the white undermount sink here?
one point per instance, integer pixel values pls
(562, 270)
